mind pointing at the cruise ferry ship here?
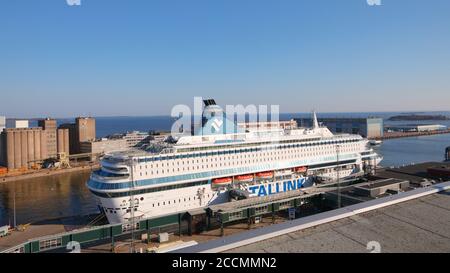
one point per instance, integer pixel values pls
(221, 162)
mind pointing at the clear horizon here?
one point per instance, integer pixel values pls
(281, 113)
(121, 58)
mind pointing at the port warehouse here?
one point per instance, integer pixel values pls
(371, 127)
(179, 223)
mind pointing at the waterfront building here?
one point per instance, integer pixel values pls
(102, 146)
(49, 127)
(2, 123)
(20, 123)
(83, 130)
(73, 144)
(63, 141)
(134, 139)
(23, 147)
(366, 127)
(2, 142)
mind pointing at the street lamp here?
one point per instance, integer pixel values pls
(338, 148)
(131, 164)
(14, 206)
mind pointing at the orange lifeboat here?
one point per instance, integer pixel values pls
(265, 175)
(245, 177)
(222, 181)
(302, 169)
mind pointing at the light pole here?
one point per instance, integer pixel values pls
(131, 162)
(338, 147)
(14, 206)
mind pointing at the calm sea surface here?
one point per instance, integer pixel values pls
(67, 195)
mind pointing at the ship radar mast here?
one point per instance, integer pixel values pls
(315, 121)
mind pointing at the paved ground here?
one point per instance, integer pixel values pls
(421, 225)
(44, 228)
(123, 246)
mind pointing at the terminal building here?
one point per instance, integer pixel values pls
(102, 146)
(366, 127)
(134, 139)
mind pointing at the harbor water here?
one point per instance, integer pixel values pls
(66, 195)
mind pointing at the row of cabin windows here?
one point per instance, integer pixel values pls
(292, 154)
(255, 149)
(293, 143)
(314, 152)
(175, 201)
(158, 204)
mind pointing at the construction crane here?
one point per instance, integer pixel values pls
(63, 159)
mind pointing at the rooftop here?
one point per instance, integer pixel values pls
(419, 225)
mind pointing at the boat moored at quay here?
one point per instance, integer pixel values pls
(223, 161)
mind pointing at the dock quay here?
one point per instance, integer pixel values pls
(48, 172)
(393, 135)
(400, 223)
(278, 215)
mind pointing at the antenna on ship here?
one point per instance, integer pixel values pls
(315, 121)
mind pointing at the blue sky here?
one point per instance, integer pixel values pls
(141, 57)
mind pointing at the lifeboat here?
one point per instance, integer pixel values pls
(222, 181)
(245, 178)
(265, 175)
(302, 169)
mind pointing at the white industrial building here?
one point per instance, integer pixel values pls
(22, 123)
(416, 128)
(2, 123)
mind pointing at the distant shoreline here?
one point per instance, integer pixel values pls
(415, 117)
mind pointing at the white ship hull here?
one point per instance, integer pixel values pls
(190, 198)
